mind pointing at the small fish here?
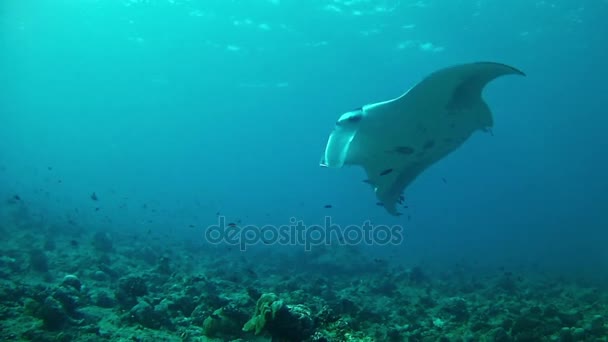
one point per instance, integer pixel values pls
(17, 198)
(74, 243)
(94, 197)
(386, 172)
(191, 226)
(444, 181)
(231, 224)
(380, 204)
(328, 206)
(97, 209)
(50, 168)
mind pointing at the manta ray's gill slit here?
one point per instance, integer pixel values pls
(406, 150)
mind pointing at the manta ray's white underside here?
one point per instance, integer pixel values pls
(395, 140)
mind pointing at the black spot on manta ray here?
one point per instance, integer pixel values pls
(386, 172)
(406, 150)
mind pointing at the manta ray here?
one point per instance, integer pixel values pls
(396, 140)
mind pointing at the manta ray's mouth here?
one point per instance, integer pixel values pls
(350, 118)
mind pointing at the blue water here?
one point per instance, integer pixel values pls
(173, 111)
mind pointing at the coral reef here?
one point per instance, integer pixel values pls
(151, 289)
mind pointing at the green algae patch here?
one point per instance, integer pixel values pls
(266, 310)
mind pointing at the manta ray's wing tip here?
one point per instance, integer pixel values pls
(512, 69)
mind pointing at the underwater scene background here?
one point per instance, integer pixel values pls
(129, 128)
